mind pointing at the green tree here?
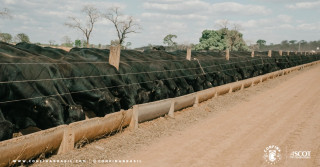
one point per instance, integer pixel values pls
(261, 42)
(22, 37)
(5, 37)
(211, 40)
(222, 39)
(77, 43)
(292, 41)
(234, 40)
(169, 40)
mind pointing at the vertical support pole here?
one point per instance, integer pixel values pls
(189, 54)
(114, 57)
(305, 53)
(171, 111)
(280, 52)
(196, 101)
(252, 53)
(295, 52)
(242, 86)
(288, 52)
(269, 53)
(134, 124)
(67, 143)
(227, 54)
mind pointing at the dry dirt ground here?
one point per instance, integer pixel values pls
(230, 130)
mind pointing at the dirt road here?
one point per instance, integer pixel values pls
(287, 116)
(230, 130)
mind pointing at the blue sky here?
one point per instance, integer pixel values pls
(271, 20)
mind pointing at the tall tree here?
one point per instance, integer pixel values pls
(211, 40)
(86, 28)
(169, 40)
(5, 37)
(124, 25)
(261, 42)
(292, 41)
(22, 37)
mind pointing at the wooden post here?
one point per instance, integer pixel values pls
(288, 52)
(269, 53)
(305, 53)
(280, 52)
(295, 52)
(171, 111)
(134, 124)
(252, 53)
(114, 57)
(227, 54)
(196, 101)
(67, 143)
(189, 54)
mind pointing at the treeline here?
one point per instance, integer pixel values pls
(288, 45)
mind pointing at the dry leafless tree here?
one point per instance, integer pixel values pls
(124, 24)
(92, 14)
(5, 13)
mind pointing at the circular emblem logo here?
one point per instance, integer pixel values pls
(272, 154)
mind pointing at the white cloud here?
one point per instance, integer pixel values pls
(285, 18)
(241, 9)
(304, 5)
(309, 27)
(9, 2)
(199, 6)
(153, 16)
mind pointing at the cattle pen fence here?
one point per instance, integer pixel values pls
(62, 139)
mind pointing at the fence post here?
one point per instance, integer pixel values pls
(252, 53)
(288, 52)
(196, 101)
(188, 54)
(171, 111)
(134, 124)
(67, 143)
(269, 53)
(227, 54)
(280, 52)
(114, 57)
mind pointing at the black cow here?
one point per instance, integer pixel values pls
(6, 128)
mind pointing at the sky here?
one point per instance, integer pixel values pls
(270, 20)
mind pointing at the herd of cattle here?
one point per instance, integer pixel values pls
(45, 87)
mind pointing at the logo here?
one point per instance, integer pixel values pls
(300, 154)
(272, 154)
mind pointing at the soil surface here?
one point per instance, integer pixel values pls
(230, 130)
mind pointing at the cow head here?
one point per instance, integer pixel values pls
(73, 113)
(107, 104)
(50, 113)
